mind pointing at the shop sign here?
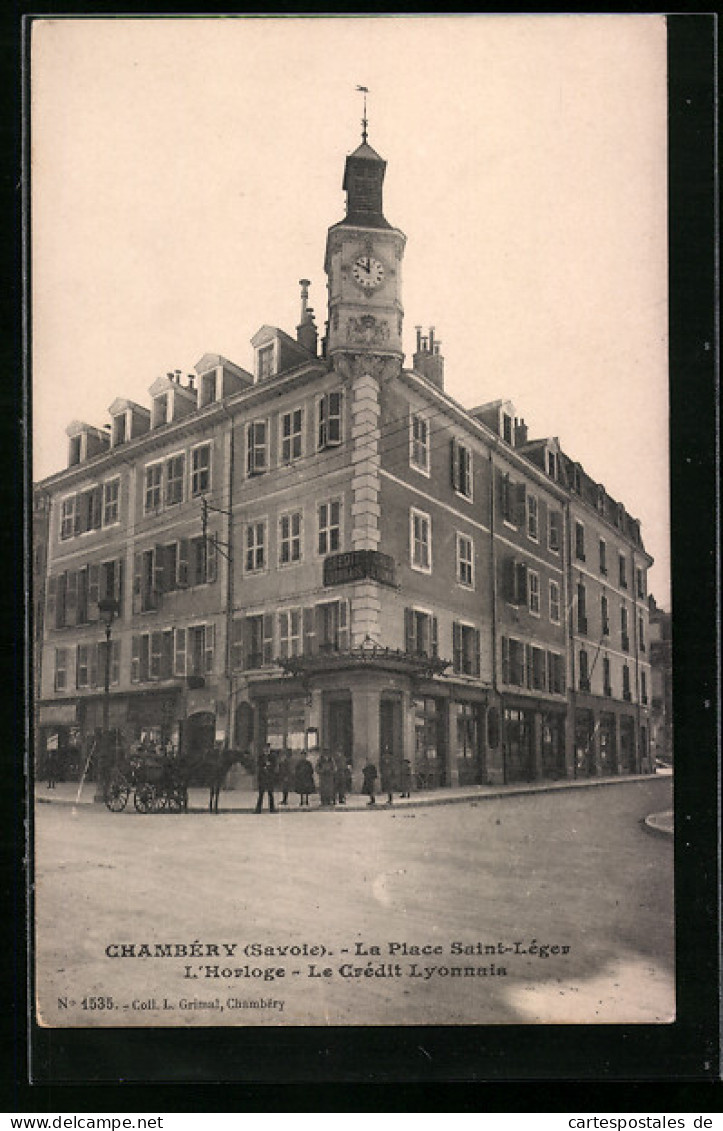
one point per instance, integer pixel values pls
(359, 565)
(57, 714)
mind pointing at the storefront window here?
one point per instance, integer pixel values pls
(429, 751)
(285, 723)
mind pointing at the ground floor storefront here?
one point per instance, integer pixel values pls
(609, 738)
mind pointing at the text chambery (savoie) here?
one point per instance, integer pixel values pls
(358, 949)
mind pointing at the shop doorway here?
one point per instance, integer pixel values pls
(518, 745)
(584, 744)
(198, 735)
(340, 731)
(390, 735)
(470, 744)
(244, 727)
(553, 746)
(627, 744)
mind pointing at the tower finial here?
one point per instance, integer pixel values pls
(364, 90)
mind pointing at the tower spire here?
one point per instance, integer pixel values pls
(364, 90)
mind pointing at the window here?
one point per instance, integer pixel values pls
(513, 662)
(152, 500)
(555, 674)
(626, 683)
(533, 584)
(604, 616)
(539, 666)
(584, 671)
(623, 571)
(332, 627)
(552, 465)
(111, 493)
(640, 582)
(290, 538)
(576, 478)
(641, 633)
(266, 362)
(256, 447)
(160, 410)
(200, 640)
(581, 608)
(624, 636)
(643, 688)
(67, 518)
(507, 427)
(291, 432)
(553, 531)
(201, 560)
(465, 561)
(146, 593)
(554, 602)
(329, 420)
(516, 586)
(61, 669)
(75, 450)
(329, 532)
(603, 557)
(255, 550)
(421, 541)
(289, 633)
(208, 388)
(175, 473)
(201, 470)
(465, 649)
(607, 687)
(419, 443)
(420, 633)
(580, 541)
(461, 469)
(532, 518)
(82, 673)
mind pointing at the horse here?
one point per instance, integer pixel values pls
(212, 766)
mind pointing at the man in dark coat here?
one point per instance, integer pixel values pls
(388, 775)
(285, 776)
(304, 778)
(265, 778)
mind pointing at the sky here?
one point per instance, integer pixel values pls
(184, 172)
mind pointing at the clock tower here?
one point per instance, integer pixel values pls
(363, 264)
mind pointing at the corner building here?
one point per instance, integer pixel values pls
(331, 549)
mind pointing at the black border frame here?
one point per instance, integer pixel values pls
(370, 1067)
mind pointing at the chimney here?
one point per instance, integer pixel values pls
(520, 433)
(191, 380)
(428, 360)
(306, 332)
(170, 376)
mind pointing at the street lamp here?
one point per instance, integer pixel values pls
(108, 608)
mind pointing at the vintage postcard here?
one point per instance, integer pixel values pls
(350, 535)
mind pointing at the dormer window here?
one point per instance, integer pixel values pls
(209, 383)
(74, 454)
(265, 362)
(507, 428)
(160, 410)
(552, 465)
(120, 429)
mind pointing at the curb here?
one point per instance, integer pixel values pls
(660, 824)
(414, 803)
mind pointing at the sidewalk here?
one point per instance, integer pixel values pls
(244, 801)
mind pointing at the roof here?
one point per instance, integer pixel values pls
(366, 152)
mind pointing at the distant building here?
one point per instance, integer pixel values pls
(661, 675)
(329, 547)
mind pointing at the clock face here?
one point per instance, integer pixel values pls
(368, 272)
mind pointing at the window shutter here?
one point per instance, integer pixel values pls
(182, 565)
(97, 505)
(343, 626)
(211, 558)
(96, 663)
(93, 592)
(550, 672)
(521, 583)
(520, 505)
(137, 583)
(477, 654)
(435, 636)
(268, 645)
(506, 497)
(209, 646)
(410, 645)
(237, 643)
(159, 558)
(505, 660)
(136, 659)
(50, 601)
(77, 522)
(167, 655)
(309, 632)
(118, 584)
(71, 597)
(454, 456)
(456, 646)
(322, 421)
(510, 580)
(528, 664)
(180, 651)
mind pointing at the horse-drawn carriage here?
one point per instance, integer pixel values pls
(155, 779)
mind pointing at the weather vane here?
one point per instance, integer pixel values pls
(365, 91)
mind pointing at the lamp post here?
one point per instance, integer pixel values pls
(108, 608)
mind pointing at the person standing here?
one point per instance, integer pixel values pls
(369, 781)
(406, 778)
(285, 776)
(388, 775)
(304, 779)
(325, 770)
(265, 776)
(341, 777)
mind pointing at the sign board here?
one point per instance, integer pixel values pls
(359, 565)
(57, 714)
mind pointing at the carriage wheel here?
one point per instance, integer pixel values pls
(144, 798)
(116, 795)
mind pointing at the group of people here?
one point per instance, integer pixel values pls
(283, 772)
